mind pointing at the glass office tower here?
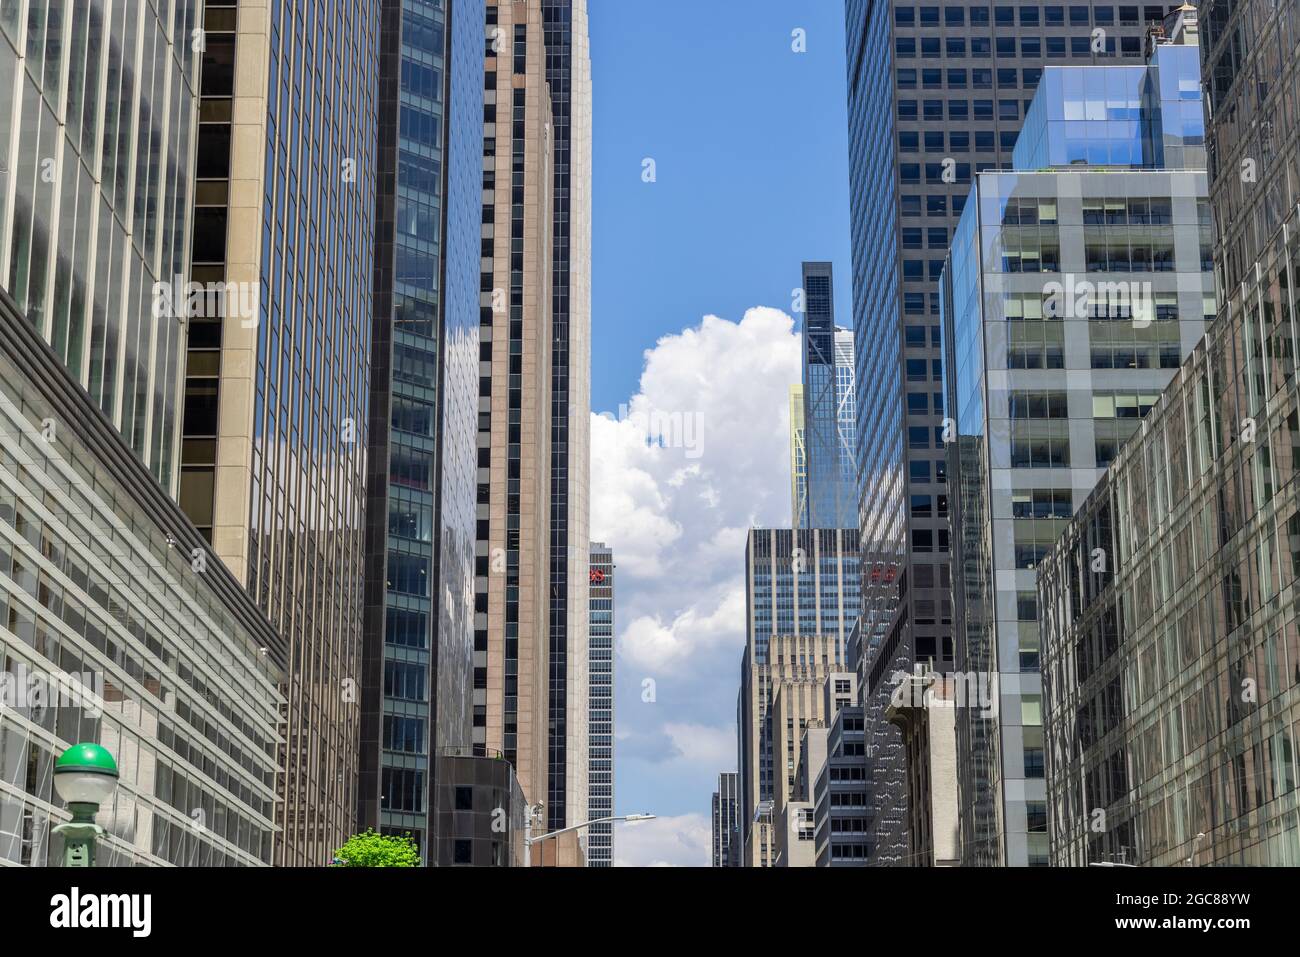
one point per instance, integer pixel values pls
(600, 729)
(828, 406)
(802, 585)
(97, 125)
(421, 481)
(118, 627)
(1171, 673)
(276, 426)
(1077, 283)
(935, 94)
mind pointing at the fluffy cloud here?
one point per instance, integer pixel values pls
(683, 841)
(679, 475)
(709, 622)
(683, 469)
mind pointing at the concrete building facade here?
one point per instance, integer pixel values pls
(511, 593)
(568, 76)
(780, 700)
(725, 822)
(600, 725)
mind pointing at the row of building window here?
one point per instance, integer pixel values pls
(961, 78)
(1075, 15)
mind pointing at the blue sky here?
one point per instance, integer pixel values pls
(750, 144)
(749, 140)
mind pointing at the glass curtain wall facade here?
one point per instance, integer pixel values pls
(291, 223)
(97, 135)
(846, 419)
(416, 690)
(1070, 298)
(935, 94)
(600, 727)
(118, 626)
(1171, 674)
(827, 383)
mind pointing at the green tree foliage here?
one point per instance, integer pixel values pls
(372, 849)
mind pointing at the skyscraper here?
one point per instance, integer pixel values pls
(568, 76)
(418, 670)
(802, 589)
(600, 697)
(828, 406)
(1060, 340)
(934, 94)
(275, 427)
(725, 822)
(1170, 670)
(532, 554)
(511, 590)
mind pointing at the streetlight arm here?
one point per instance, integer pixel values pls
(576, 827)
(579, 827)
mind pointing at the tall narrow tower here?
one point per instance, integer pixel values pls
(568, 76)
(831, 496)
(512, 597)
(418, 670)
(275, 420)
(600, 729)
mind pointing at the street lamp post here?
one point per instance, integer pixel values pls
(536, 810)
(85, 776)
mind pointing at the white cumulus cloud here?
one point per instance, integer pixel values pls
(679, 474)
(682, 470)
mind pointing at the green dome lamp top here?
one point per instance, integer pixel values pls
(85, 774)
